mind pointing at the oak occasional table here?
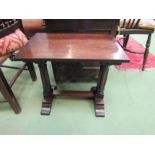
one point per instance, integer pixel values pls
(74, 47)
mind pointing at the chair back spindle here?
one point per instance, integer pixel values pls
(130, 23)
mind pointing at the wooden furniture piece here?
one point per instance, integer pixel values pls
(8, 93)
(63, 71)
(135, 26)
(100, 48)
(85, 71)
(5, 86)
(32, 26)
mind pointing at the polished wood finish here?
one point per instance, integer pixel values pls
(99, 48)
(72, 47)
(86, 71)
(65, 70)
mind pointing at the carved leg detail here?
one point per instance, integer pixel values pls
(47, 89)
(99, 90)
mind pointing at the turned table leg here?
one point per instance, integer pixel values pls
(99, 90)
(32, 71)
(146, 51)
(8, 94)
(47, 90)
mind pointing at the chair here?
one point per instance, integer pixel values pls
(5, 86)
(136, 26)
(32, 26)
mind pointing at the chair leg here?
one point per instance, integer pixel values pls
(146, 51)
(32, 71)
(125, 41)
(8, 94)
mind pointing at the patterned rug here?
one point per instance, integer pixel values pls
(136, 59)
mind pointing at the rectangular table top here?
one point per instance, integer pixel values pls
(72, 46)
